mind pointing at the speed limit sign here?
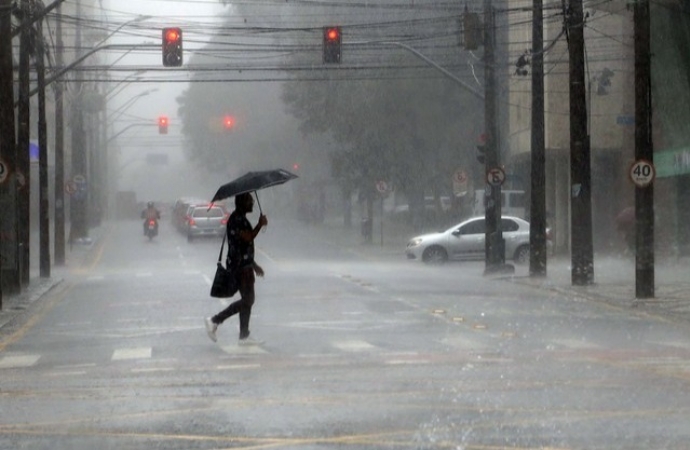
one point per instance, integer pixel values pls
(642, 173)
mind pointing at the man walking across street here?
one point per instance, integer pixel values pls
(240, 260)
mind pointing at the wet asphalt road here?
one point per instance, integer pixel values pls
(359, 353)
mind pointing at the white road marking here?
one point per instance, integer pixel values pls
(239, 367)
(353, 346)
(66, 373)
(131, 353)
(75, 366)
(143, 274)
(95, 278)
(243, 349)
(17, 361)
(153, 369)
(575, 344)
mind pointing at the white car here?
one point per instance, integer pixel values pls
(465, 241)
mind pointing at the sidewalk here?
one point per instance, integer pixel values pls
(16, 304)
(614, 277)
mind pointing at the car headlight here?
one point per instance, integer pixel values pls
(414, 242)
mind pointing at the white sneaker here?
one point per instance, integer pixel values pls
(211, 329)
(249, 341)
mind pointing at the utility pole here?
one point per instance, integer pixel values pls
(644, 196)
(79, 200)
(23, 142)
(43, 202)
(582, 272)
(537, 229)
(8, 154)
(59, 219)
(494, 244)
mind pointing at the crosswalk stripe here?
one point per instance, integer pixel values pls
(131, 353)
(17, 361)
(353, 346)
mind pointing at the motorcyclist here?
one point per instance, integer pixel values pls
(150, 213)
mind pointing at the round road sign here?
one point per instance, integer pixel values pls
(4, 171)
(382, 186)
(70, 187)
(642, 173)
(495, 176)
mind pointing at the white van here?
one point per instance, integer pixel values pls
(513, 203)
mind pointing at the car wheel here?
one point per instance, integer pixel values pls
(522, 255)
(435, 255)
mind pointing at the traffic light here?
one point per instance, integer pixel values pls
(332, 38)
(228, 122)
(162, 125)
(172, 47)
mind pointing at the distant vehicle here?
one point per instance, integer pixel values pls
(513, 203)
(465, 241)
(179, 212)
(206, 220)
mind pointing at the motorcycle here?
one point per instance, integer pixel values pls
(151, 228)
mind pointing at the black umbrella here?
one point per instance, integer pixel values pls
(253, 181)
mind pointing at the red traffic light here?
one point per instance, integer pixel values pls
(172, 47)
(228, 122)
(172, 34)
(162, 125)
(332, 39)
(332, 34)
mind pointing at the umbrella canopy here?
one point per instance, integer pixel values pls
(253, 181)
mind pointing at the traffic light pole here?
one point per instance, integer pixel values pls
(494, 243)
(537, 229)
(582, 272)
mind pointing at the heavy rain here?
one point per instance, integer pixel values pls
(466, 225)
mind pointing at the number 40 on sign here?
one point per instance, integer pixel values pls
(642, 173)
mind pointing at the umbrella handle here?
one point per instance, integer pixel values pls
(256, 194)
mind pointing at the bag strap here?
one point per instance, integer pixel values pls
(220, 255)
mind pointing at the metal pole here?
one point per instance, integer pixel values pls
(79, 201)
(44, 204)
(23, 142)
(644, 196)
(8, 152)
(537, 229)
(494, 244)
(582, 272)
(59, 219)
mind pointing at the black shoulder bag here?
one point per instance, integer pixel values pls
(225, 283)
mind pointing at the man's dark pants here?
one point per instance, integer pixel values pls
(243, 306)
